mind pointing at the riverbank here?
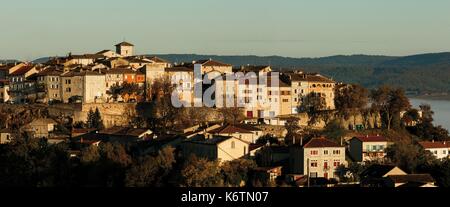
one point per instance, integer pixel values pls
(440, 97)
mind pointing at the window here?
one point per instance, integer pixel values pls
(325, 164)
(285, 100)
(313, 175)
(314, 163)
(233, 145)
(314, 152)
(7, 137)
(336, 163)
(336, 152)
(325, 152)
(444, 152)
(68, 90)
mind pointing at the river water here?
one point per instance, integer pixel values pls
(441, 110)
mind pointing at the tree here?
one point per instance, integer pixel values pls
(410, 116)
(427, 113)
(34, 163)
(350, 100)
(236, 172)
(163, 115)
(389, 102)
(104, 166)
(195, 116)
(292, 127)
(313, 104)
(268, 138)
(232, 115)
(199, 172)
(408, 156)
(151, 171)
(425, 129)
(94, 120)
(126, 90)
(440, 171)
(334, 131)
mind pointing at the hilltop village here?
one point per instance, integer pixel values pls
(108, 119)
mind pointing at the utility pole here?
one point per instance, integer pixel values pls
(307, 171)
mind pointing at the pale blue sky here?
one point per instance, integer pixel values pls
(296, 28)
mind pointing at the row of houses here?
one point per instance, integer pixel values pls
(316, 159)
(91, 78)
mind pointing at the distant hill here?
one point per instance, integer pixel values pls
(423, 73)
(8, 61)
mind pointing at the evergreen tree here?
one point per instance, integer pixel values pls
(94, 119)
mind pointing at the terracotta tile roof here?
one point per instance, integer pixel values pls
(124, 44)
(230, 129)
(252, 68)
(82, 131)
(255, 146)
(124, 131)
(157, 59)
(200, 139)
(103, 51)
(52, 71)
(433, 144)
(320, 142)
(420, 178)
(311, 78)
(211, 63)
(137, 60)
(42, 121)
(377, 170)
(22, 70)
(87, 56)
(371, 138)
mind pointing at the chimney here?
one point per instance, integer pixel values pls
(301, 141)
(432, 141)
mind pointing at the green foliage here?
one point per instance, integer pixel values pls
(268, 138)
(426, 130)
(334, 131)
(34, 163)
(350, 100)
(408, 156)
(151, 171)
(390, 102)
(199, 172)
(235, 173)
(440, 170)
(94, 120)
